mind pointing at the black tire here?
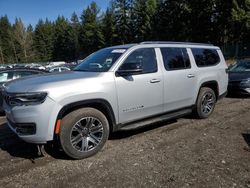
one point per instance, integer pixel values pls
(199, 110)
(72, 128)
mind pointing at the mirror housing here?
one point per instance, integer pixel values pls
(129, 68)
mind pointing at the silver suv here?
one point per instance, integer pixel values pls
(120, 87)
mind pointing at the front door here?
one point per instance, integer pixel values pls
(140, 95)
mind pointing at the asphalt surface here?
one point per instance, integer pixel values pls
(181, 153)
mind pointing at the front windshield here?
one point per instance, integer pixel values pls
(241, 66)
(100, 61)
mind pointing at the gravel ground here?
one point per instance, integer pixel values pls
(183, 153)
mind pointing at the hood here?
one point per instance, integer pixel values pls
(238, 76)
(45, 81)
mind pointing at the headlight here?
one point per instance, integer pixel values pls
(246, 81)
(19, 99)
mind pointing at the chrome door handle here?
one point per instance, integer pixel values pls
(154, 81)
(190, 76)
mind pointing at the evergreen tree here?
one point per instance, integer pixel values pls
(64, 41)
(91, 36)
(109, 29)
(143, 14)
(172, 21)
(75, 26)
(203, 23)
(44, 40)
(124, 25)
(6, 53)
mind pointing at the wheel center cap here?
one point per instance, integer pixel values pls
(85, 131)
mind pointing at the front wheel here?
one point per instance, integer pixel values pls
(83, 132)
(205, 103)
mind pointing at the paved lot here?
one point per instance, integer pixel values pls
(182, 153)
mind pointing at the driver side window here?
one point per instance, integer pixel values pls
(145, 57)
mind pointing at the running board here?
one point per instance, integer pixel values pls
(148, 121)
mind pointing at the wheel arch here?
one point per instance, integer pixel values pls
(213, 84)
(100, 104)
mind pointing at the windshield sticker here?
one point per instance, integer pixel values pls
(118, 51)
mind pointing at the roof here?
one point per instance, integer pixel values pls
(126, 46)
(173, 42)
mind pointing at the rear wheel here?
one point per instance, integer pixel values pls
(83, 132)
(205, 103)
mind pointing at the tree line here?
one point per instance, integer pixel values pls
(124, 21)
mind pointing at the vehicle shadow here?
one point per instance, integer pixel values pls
(128, 133)
(10, 143)
(16, 147)
(237, 96)
(246, 137)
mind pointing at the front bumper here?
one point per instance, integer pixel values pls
(34, 123)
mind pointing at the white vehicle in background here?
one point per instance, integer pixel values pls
(35, 66)
(57, 63)
(59, 69)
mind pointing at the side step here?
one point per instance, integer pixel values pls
(148, 121)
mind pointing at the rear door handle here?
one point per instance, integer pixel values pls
(154, 81)
(190, 76)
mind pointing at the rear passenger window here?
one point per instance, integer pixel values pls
(205, 57)
(175, 58)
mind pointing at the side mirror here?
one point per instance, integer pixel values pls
(129, 68)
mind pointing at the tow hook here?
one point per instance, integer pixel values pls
(41, 151)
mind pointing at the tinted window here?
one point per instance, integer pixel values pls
(205, 57)
(146, 57)
(175, 58)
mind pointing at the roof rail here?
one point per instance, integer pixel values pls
(171, 42)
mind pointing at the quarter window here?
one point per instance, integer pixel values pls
(175, 58)
(205, 57)
(145, 57)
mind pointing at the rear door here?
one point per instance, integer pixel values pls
(179, 78)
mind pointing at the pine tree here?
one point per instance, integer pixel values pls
(108, 23)
(91, 36)
(44, 40)
(64, 41)
(172, 21)
(143, 13)
(75, 26)
(6, 52)
(124, 25)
